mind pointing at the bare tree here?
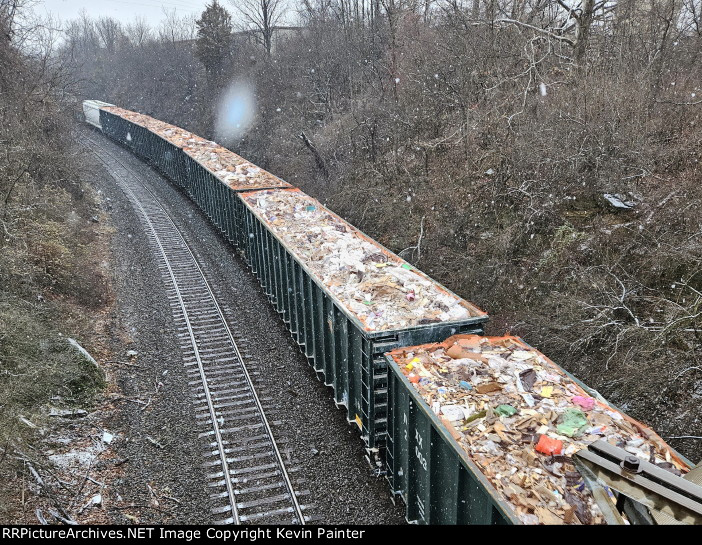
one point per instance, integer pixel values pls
(109, 32)
(174, 29)
(264, 16)
(138, 32)
(8, 12)
(557, 20)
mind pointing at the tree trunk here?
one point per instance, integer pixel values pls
(321, 165)
(582, 33)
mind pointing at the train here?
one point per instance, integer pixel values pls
(437, 403)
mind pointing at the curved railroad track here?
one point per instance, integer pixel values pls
(245, 467)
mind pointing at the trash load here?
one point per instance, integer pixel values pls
(521, 418)
(383, 291)
(230, 168)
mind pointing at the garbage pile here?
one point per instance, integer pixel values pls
(232, 169)
(380, 289)
(521, 418)
(235, 171)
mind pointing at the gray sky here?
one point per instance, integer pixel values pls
(123, 10)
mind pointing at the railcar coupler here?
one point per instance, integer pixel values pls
(646, 492)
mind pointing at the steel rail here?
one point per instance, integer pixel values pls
(196, 350)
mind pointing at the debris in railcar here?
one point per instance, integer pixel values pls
(520, 438)
(380, 289)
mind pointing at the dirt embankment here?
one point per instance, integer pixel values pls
(55, 308)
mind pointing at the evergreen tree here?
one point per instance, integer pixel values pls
(214, 38)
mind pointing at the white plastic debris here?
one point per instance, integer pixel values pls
(383, 291)
(83, 351)
(618, 201)
(26, 422)
(67, 413)
(107, 437)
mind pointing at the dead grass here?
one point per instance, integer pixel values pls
(53, 285)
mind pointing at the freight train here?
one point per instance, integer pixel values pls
(465, 428)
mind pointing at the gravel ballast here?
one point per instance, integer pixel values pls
(160, 443)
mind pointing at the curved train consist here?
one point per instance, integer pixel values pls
(466, 428)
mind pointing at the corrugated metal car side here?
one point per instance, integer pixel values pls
(141, 142)
(168, 159)
(116, 127)
(134, 137)
(163, 155)
(346, 356)
(217, 200)
(427, 468)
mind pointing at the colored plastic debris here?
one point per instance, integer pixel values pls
(476, 416)
(572, 421)
(586, 403)
(546, 391)
(549, 446)
(505, 410)
(597, 430)
(524, 454)
(345, 261)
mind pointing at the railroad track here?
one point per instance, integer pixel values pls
(245, 466)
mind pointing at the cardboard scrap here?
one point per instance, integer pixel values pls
(524, 445)
(344, 260)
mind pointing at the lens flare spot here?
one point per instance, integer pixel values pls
(235, 112)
